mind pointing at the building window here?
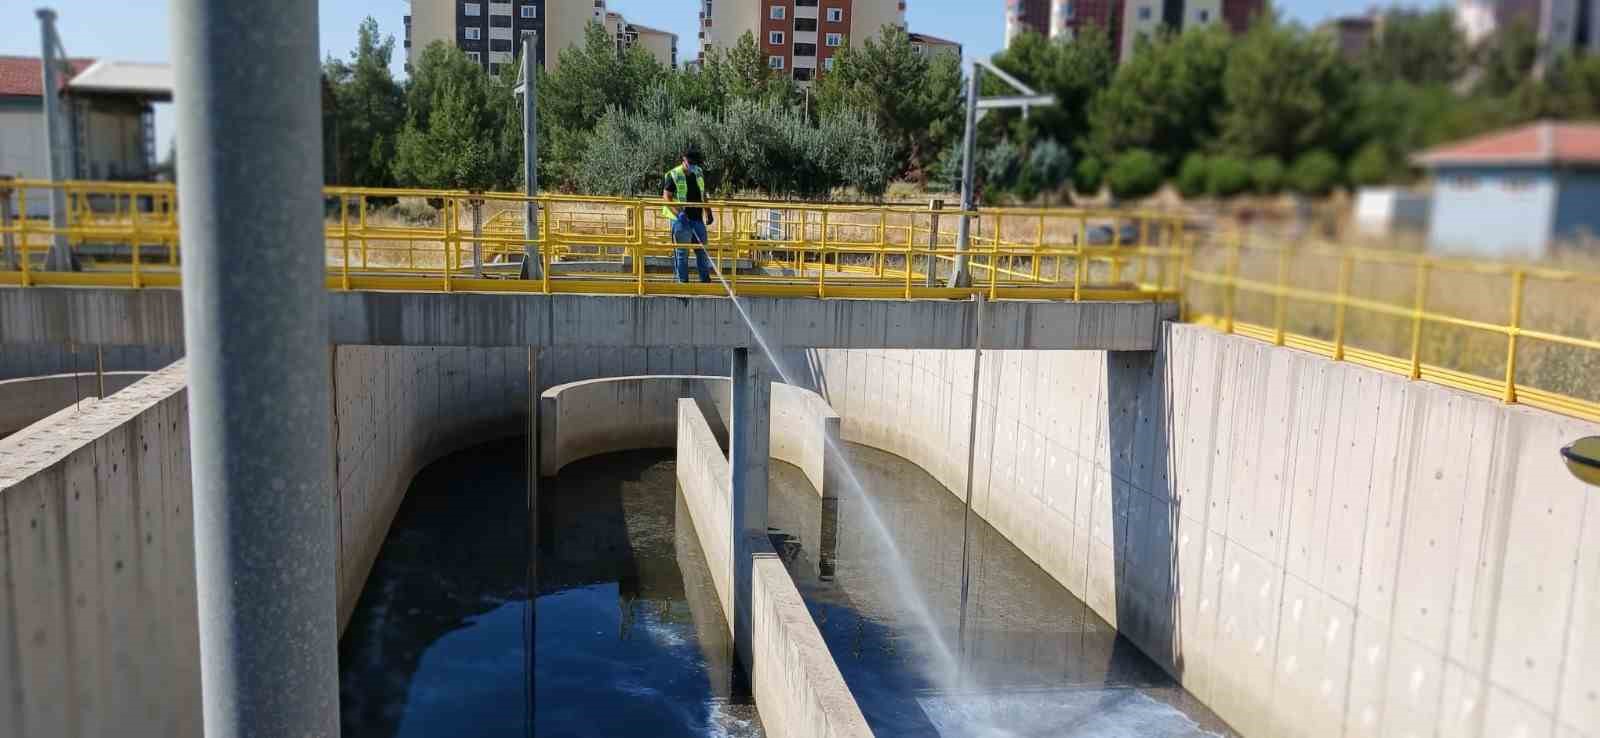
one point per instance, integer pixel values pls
(500, 21)
(472, 9)
(500, 44)
(775, 38)
(530, 11)
(1066, 10)
(833, 39)
(808, 25)
(472, 34)
(919, 48)
(775, 62)
(494, 69)
(1464, 182)
(474, 56)
(828, 63)
(1205, 16)
(803, 74)
(1144, 12)
(777, 12)
(1518, 182)
(805, 3)
(801, 49)
(835, 15)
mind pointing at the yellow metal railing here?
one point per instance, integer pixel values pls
(1471, 325)
(458, 241)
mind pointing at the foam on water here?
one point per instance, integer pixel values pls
(1077, 713)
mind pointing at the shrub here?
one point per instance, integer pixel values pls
(1088, 176)
(1227, 177)
(1266, 175)
(1193, 175)
(1314, 173)
(1136, 173)
(1000, 166)
(1049, 166)
(1371, 165)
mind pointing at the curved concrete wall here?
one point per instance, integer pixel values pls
(578, 420)
(1313, 548)
(28, 400)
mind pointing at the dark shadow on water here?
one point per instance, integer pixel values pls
(628, 638)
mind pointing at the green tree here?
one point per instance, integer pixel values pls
(1166, 99)
(1314, 173)
(1074, 71)
(915, 102)
(1227, 176)
(1088, 176)
(1192, 175)
(456, 134)
(1286, 91)
(370, 107)
(1421, 47)
(1266, 175)
(1048, 168)
(1506, 59)
(999, 166)
(1372, 165)
(591, 79)
(1135, 174)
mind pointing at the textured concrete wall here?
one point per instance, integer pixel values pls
(18, 360)
(25, 401)
(98, 626)
(1315, 549)
(797, 685)
(153, 317)
(397, 410)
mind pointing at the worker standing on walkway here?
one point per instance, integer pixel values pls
(687, 183)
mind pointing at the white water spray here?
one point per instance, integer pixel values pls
(948, 667)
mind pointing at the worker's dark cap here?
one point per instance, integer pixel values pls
(692, 153)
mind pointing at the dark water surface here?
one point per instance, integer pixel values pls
(1037, 660)
(628, 637)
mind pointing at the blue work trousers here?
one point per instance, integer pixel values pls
(690, 231)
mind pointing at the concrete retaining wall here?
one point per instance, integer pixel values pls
(24, 402)
(38, 359)
(98, 627)
(598, 416)
(797, 685)
(1313, 548)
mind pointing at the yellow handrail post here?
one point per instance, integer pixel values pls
(1519, 279)
(822, 257)
(911, 239)
(1341, 305)
(1416, 317)
(883, 239)
(22, 235)
(133, 216)
(547, 245)
(639, 247)
(1038, 246)
(1281, 297)
(1230, 293)
(362, 201)
(1185, 251)
(449, 219)
(1116, 250)
(1143, 253)
(1081, 266)
(344, 240)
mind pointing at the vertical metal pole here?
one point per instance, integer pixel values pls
(532, 268)
(972, 448)
(8, 244)
(933, 242)
(255, 330)
(969, 145)
(477, 238)
(1519, 280)
(59, 258)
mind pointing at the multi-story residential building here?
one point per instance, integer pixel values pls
(1027, 15)
(929, 46)
(1354, 34)
(799, 37)
(663, 45)
(1562, 25)
(1143, 19)
(491, 31)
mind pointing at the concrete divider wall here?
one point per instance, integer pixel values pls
(1313, 548)
(99, 633)
(25, 401)
(39, 359)
(397, 409)
(582, 419)
(797, 685)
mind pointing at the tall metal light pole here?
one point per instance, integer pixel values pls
(529, 90)
(57, 143)
(959, 276)
(255, 329)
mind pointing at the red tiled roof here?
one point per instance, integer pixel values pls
(926, 38)
(20, 76)
(1543, 142)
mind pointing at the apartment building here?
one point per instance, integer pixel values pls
(799, 37)
(663, 45)
(930, 46)
(1561, 24)
(491, 31)
(1027, 15)
(1126, 21)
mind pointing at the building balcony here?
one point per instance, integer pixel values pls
(499, 8)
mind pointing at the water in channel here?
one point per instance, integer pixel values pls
(1035, 660)
(627, 636)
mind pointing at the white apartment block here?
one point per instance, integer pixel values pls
(491, 31)
(799, 37)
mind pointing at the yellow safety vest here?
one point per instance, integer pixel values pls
(681, 181)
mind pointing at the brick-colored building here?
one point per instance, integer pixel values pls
(1127, 22)
(799, 37)
(491, 31)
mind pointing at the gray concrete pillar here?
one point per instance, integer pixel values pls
(249, 115)
(749, 457)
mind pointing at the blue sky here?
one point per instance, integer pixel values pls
(138, 31)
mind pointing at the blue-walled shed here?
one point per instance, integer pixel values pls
(1518, 192)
